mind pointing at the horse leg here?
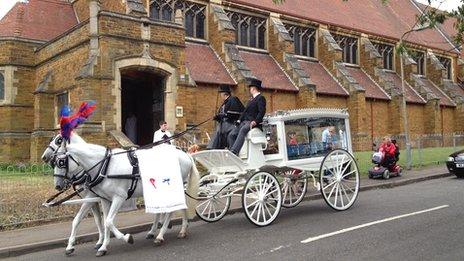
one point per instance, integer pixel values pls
(109, 221)
(183, 230)
(159, 240)
(151, 233)
(99, 222)
(106, 239)
(76, 221)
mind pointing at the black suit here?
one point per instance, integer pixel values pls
(228, 114)
(254, 111)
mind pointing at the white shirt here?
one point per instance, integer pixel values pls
(256, 94)
(159, 134)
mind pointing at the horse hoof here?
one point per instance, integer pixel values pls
(150, 236)
(97, 246)
(101, 253)
(69, 251)
(158, 242)
(182, 235)
(130, 240)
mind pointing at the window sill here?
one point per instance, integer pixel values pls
(352, 65)
(196, 40)
(252, 49)
(307, 58)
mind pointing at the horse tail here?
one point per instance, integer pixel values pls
(192, 188)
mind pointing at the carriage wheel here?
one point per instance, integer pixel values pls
(211, 207)
(261, 199)
(339, 179)
(293, 188)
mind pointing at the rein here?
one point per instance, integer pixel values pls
(85, 177)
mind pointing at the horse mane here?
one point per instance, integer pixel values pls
(86, 149)
(76, 138)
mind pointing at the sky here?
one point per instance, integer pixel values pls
(5, 5)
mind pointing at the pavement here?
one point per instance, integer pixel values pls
(54, 236)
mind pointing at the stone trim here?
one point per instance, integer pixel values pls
(43, 86)
(135, 7)
(171, 82)
(239, 69)
(47, 43)
(141, 19)
(450, 88)
(10, 83)
(20, 39)
(370, 48)
(141, 40)
(279, 28)
(434, 60)
(328, 38)
(347, 78)
(290, 78)
(221, 18)
(299, 74)
(87, 69)
(69, 49)
(423, 90)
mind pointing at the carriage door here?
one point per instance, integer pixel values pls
(142, 101)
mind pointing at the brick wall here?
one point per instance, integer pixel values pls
(81, 7)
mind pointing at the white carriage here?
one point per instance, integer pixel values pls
(275, 165)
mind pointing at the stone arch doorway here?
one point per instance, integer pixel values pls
(142, 103)
(157, 72)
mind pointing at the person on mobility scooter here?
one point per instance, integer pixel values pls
(386, 160)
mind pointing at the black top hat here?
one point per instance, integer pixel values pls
(253, 82)
(224, 88)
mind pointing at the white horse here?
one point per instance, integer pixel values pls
(115, 191)
(62, 183)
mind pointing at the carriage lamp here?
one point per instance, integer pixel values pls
(450, 159)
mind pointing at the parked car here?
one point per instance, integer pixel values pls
(455, 163)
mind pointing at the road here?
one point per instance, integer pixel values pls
(421, 221)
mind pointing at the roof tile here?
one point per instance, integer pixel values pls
(411, 95)
(373, 90)
(38, 19)
(389, 20)
(265, 68)
(205, 66)
(444, 99)
(325, 82)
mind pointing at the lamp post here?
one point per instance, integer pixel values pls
(403, 100)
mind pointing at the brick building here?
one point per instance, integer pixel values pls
(164, 59)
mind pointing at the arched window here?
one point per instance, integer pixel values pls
(194, 15)
(446, 62)
(249, 30)
(304, 39)
(2, 86)
(349, 47)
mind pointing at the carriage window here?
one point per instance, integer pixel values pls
(272, 141)
(314, 137)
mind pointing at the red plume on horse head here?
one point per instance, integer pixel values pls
(69, 122)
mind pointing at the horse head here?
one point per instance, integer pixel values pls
(55, 143)
(67, 170)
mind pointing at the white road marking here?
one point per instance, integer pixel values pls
(311, 239)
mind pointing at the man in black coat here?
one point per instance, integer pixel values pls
(252, 117)
(228, 114)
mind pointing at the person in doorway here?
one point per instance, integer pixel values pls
(130, 128)
(228, 114)
(162, 133)
(251, 117)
